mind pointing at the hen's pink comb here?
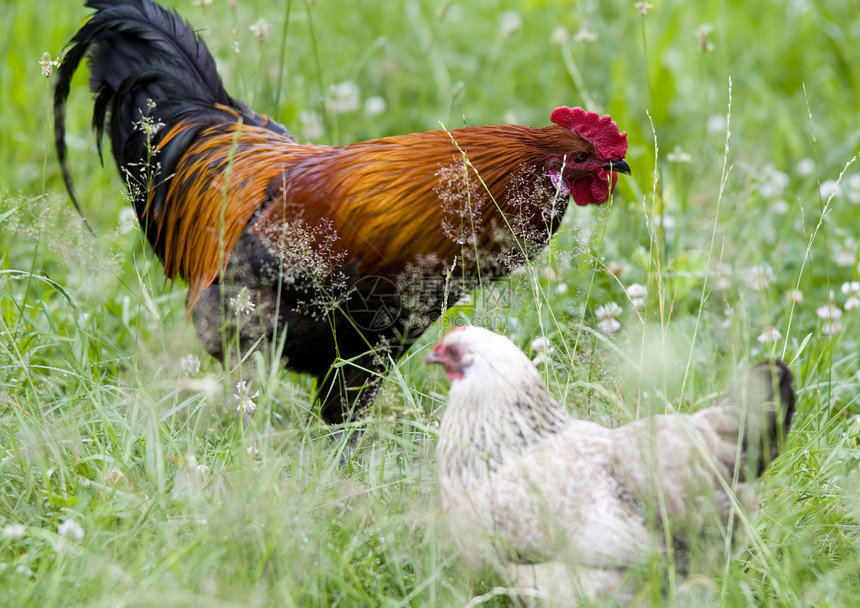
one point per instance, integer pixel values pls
(599, 130)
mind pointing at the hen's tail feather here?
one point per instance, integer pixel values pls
(146, 63)
(766, 400)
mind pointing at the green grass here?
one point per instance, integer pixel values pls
(183, 503)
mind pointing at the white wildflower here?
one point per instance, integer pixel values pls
(759, 277)
(829, 311)
(190, 365)
(343, 97)
(312, 126)
(804, 167)
(48, 64)
(853, 190)
(510, 23)
(666, 221)
(679, 156)
(542, 345)
(851, 290)
(769, 335)
(846, 254)
(242, 303)
(24, 570)
(202, 2)
(202, 469)
(560, 35)
(245, 398)
(14, 531)
(779, 206)
(584, 34)
(127, 220)
(607, 313)
(540, 360)
(374, 106)
(71, 529)
(638, 295)
(831, 326)
(561, 288)
(609, 326)
(723, 276)
(829, 189)
(716, 124)
(772, 181)
(643, 7)
(795, 296)
(260, 29)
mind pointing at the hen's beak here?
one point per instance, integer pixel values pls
(619, 166)
(432, 357)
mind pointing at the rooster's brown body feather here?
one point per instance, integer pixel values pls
(346, 250)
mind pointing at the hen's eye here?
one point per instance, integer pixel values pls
(453, 352)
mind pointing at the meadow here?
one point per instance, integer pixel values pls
(129, 478)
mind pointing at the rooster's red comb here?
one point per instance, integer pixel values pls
(599, 130)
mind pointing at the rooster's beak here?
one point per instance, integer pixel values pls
(619, 166)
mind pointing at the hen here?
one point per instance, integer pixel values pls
(340, 256)
(573, 507)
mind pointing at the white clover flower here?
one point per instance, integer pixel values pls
(202, 2)
(71, 529)
(769, 335)
(202, 469)
(667, 221)
(14, 531)
(772, 182)
(829, 311)
(851, 290)
(608, 310)
(723, 276)
(679, 156)
(643, 7)
(759, 277)
(260, 29)
(560, 35)
(716, 124)
(245, 398)
(510, 23)
(608, 323)
(584, 34)
(638, 295)
(540, 359)
(853, 189)
(374, 106)
(343, 97)
(804, 167)
(24, 570)
(609, 326)
(190, 365)
(312, 126)
(846, 254)
(831, 326)
(542, 345)
(829, 189)
(795, 296)
(561, 288)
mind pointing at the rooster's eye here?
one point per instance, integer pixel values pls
(580, 157)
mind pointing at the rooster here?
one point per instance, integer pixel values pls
(528, 486)
(339, 256)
